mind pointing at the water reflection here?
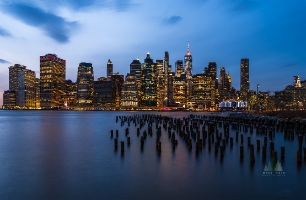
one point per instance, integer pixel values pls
(58, 155)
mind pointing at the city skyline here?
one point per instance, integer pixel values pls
(273, 41)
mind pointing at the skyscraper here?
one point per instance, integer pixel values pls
(135, 67)
(13, 78)
(149, 83)
(26, 89)
(117, 84)
(188, 63)
(52, 80)
(85, 80)
(129, 93)
(188, 72)
(179, 69)
(160, 83)
(212, 70)
(109, 69)
(244, 78)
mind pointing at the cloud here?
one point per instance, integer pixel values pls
(4, 33)
(291, 64)
(173, 20)
(243, 5)
(85, 5)
(54, 26)
(4, 61)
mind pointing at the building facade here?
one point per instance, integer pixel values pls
(85, 80)
(188, 73)
(109, 69)
(179, 68)
(203, 91)
(103, 93)
(244, 78)
(52, 81)
(117, 85)
(129, 94)
(13, 78)
(9, 99)
(26, 89)
(149, 83)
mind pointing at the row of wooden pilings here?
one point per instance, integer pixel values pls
(189, 130)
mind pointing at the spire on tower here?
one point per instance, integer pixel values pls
(188, 50)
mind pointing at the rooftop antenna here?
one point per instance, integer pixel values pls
(188, 47)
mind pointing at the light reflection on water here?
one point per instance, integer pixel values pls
(70, 155)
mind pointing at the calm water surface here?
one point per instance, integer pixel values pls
(70, 155)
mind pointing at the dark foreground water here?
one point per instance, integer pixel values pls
(70, 155)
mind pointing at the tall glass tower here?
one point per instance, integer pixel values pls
(188, 63)
(85, 80)
(244, 77)
(109, 70)
(52, 81)
(188, 72)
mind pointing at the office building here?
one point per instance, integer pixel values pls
(110, 69)
(188, 72)
(212, 70)
(117, 84)
(135, 67)
(52, 81)
(179, 68)
(129, 94)
(161, 83)
(149, 83)
(180, 89)
(9, 99)
(26, 89)
(85, 79)
(13, 78)
(103, 93)
(244, 78)
(203, 91)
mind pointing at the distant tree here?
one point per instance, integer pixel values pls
(252, 101)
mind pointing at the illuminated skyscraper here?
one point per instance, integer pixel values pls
(103, 93)
(167, 80)
(179, 89)
(149, 83)
(52, 80)
(244, 77)
(203, 91)
(212, 70)
(117, 84)
(188, 72)
(26, 89)
(109, 69)
(13, 78)
(188, 63)
(179, 69)
(225, 85)
(129, 94)
(135, 67)
(160, 83)
(85, 80)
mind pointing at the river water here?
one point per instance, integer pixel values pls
(70, 155)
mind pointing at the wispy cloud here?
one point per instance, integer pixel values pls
(54, 26)
(173, 20)
(4, 61)
(85, 5)
(4, 33)
(243, 5)
(290, 64)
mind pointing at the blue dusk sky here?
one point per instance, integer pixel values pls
(271, 33)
